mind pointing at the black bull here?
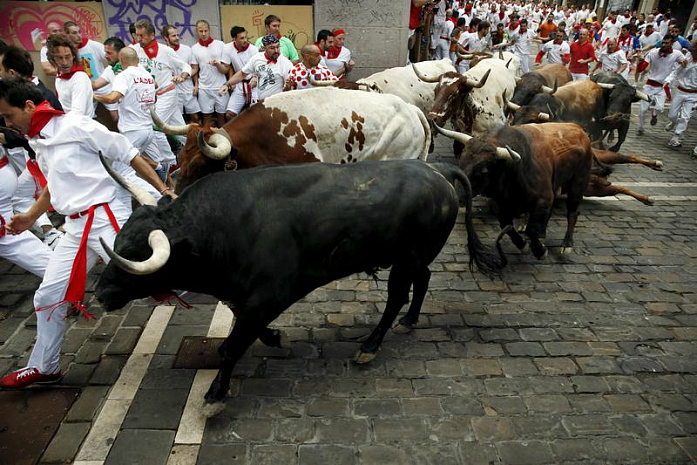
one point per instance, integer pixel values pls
(290, 230)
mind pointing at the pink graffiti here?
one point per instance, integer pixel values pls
(21, 24)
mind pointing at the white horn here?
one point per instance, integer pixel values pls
(312, 81)
(168, 128)
(640, 95)
(160, 254)
(518, 79)
(458, 136)
(142, 196)
(543, 116)
(513, 106)
(606, 86)
(423, 77)
(464, 56)
(483, 80)
(550, 90)
(508, 153)
(219, 147)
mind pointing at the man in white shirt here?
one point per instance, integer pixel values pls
(209, 73)
(338, 57)
(647, 41)
(611, 27)
(309, 66)
(133, 90)
(67, 148)
(684, 97)
(613, 59)
(90, 54)
(238, 53)
(188, 102)
(474, 43)
(52, 29)
(521, 45)
(73, 86)
(112, 47)
(661, 61)
(168, 70)
(557, 50)
(270, 68)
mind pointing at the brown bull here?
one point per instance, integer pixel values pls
(544, 159)
(544, 79)
(598, 184)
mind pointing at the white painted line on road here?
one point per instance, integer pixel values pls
(659, 184)
(656, 198)
(193, 420)
(106, 426)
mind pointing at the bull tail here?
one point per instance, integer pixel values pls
(487, 260)
(599, 168)
(427, 133)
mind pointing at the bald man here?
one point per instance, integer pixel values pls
(309, 66)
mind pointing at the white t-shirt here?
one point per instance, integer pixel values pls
(185, 87)
(138, 89)
(612, 61)
(523, 42)
(44, 55)
(208, 75)
(645, 40)
(555, 52)
(611, 30)
(271, 76)
(335, 64)
(686, 77)
(94, 61)
(238, 58)
(473, 43)
(165, 64)
(661, 67)
(75, 94)
(68, 157)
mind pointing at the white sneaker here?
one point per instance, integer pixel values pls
(640, 131)
(674, 142)
(52, 238)
(694, 152)
(670, 126)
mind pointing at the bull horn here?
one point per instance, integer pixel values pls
(549, 90)
(543, 116)
(606, 86)
(142, 196)
(320, 83)
(464, 56)
(161, 251)
(509, 62)
(551, 113)
(219, 148)
(518, 79)
(168, 128)
(513, 106)
(482, 81)
(640, 95)
(508, 153)
(455, 135)
(500, 54)
(423, 77)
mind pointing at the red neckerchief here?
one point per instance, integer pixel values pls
(73, 70)
(269, 60)
(661, 54)
(321, 49)
(513, 25)
(83, 43)
(177, 47)
(42, 115)
(243, 49)
(152, 49)
(333, 53)
(613, 21)
(501, 16)
(205, 43)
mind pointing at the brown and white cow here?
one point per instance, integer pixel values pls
(315, 125)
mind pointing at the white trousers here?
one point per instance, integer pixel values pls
(51, 325)
(188, 103)
(579, 77)
(167, 108)
(238, 98)
(442, 49)
(524, 64)
(28, 189)
(24, 250)
(681, 109)
(659, 98)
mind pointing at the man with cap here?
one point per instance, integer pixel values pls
(269, 66)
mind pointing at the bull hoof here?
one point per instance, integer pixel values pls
(215, 394)
(649, 201)
(540, 255)
(364, 357)
(400, 328)
(211, 409)
(565, 250)
(658, 166)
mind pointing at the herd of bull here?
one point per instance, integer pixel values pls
(261, 239)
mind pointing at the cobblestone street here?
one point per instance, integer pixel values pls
(587, 357)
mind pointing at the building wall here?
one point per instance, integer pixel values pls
(376, 31)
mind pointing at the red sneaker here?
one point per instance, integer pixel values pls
(26, 376)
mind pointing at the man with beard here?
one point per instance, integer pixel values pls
(73, 85)
(325, 41)
(112, 47)
(270, 68)
(188, 103)
(238, 53)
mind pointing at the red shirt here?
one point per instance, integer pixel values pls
(414, 16)
(580, 52)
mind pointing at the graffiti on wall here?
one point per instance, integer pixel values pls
(179, 13)
(25, 23)
(296, 21)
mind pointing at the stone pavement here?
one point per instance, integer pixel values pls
(589, 357)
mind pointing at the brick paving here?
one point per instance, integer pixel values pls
(588, 357)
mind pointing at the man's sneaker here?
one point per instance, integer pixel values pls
(640, 132)
(26, 376)
(52, 238)
(670, 126)
(694, 152)
(674, 143)
(654, 120)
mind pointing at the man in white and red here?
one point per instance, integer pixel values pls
(73, 86)
(628, 42)
(474, 43)
(238, 53)
(647, 41)
(209, 72)
(613, 59)
(557, 50)
(310, 65)
(90, 55)
(325, 40)
(269, 67)
(168, 70)
(685, 95)
(133, 91)
(500, 17)
(67, 147)
(188, 103)
(520, 43)
(662, 61)
(611, 28)
(338, 57)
